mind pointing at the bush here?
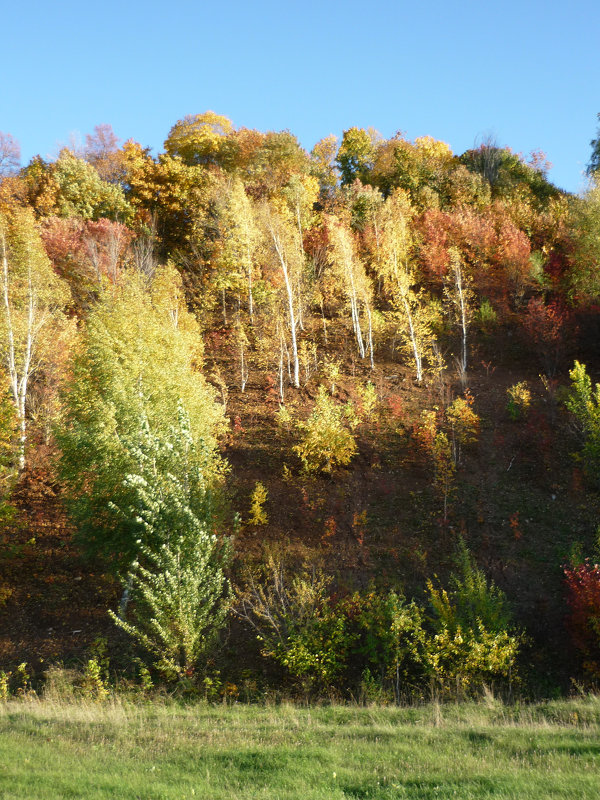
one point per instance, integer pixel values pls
(472, 642)
(584, 404)
(583, 597)
(519, 400)
(327, 439)
(389, 644)
(298, 624)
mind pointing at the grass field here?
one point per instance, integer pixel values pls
(155, 751)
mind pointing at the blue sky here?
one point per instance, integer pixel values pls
(523, 72)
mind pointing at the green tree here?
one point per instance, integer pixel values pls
(177, 581)
(594, 164)
(140, 355)
(584, 404)
(473, 642)
(83, 193)
(356, 154)
(585, 215)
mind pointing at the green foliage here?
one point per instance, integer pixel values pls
(594, 164)
(298, 625)
(519, 400)
(487, 316)
(327, 440)
(583, 275)
(472, 643)
(83, 193)
(584, 404)
(138, 359)
(92, 685)
(178, 585)
(470, 597)
(355, 156)
(391, 640)
(4, 685)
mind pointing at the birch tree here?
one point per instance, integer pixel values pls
(353, 278)
(32, 303)
(459, 296)
(282, 246)
(399, 274)
(241, 238)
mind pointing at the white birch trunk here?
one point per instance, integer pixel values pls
(290, 299)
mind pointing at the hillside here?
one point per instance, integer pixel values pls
(372, 344)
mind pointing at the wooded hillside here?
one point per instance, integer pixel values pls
(325, 422)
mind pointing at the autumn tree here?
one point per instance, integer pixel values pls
(397, 267)
(352, 277)
(82, 192)
(198, 138)
(583, 277)
(102, 149)
(459, 296)
(285, 252)
(356, 155)
(33, 301)
(10, 154)
(139, 357)
(240, 239)
(323, 163)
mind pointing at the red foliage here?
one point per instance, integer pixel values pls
(545, 326)
(583, 587)
(433, 227)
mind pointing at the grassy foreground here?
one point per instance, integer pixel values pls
(151, 751)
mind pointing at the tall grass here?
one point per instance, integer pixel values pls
(154, 751)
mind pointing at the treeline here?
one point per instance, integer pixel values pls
(117, 265)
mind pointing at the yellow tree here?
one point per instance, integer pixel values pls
(33, 298)
(398, 271)
(351, 275)
(198, 138)
(285, 257)
(323, 163)
(300, 194)
(138, 359)
(241, 237)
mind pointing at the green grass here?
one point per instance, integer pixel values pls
(152, 751)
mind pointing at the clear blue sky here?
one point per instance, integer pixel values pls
(527, 73)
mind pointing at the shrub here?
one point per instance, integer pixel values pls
(390, 641)
(584, 404)
(327, 439)
(177, 581)
(258, 515)
(583, 597)
(298, 624)
(519, 400)
(472, 641)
